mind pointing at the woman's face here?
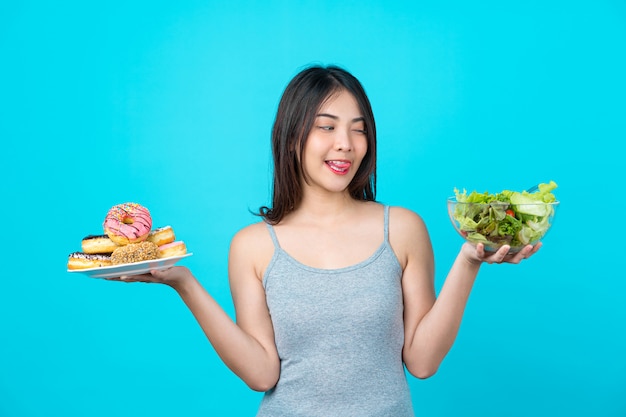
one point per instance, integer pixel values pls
(335, 146)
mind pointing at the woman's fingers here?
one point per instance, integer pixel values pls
(163, 276)
(502, 255)
(147, 278)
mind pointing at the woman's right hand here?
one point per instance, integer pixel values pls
(173, 276)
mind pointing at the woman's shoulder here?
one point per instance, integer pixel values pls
(407, 232)
(252, 234)
(400, 218)
(252, 247)
(404, 217)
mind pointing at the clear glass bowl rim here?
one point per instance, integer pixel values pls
(496, 203)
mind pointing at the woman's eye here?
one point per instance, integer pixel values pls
(327, 127)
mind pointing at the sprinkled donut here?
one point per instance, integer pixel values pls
(127, 223)
(134, 252)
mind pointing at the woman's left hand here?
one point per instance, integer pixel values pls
(477, 254)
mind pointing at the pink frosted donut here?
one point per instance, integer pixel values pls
(127, 223)
(177, 248)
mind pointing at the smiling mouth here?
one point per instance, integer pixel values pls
(339, 167)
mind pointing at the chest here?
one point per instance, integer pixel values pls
(331, 249)
(312, 308)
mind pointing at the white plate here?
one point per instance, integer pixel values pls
(131, 269)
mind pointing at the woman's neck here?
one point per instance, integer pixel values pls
(325, 207)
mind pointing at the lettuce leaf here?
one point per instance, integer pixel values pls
(486, 217)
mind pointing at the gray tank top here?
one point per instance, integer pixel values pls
(339, 334)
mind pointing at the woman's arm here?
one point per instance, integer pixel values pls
(432, 322)
(247, 346)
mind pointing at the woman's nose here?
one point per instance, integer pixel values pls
(343, 141)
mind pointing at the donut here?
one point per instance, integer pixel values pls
(127, 223)
(80, 260)
(98, 244)
(168, 250)
(162, 235)
(134, 252)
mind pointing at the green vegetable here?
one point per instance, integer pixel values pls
(509, 217)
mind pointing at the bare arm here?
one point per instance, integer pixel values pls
(247, 346)
(432, 322)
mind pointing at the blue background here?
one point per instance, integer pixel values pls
(171, 105)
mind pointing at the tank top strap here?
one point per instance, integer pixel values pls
(273, 235)
(386, 223)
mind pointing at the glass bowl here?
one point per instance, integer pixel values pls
(496, 224)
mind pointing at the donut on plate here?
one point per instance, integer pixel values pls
(162, 235)
(127, 223)
(80, 260)
(134, 252)
(168, 250)
(98, 244)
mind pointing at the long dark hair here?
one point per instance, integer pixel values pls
(297, 110)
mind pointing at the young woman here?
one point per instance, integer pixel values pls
(333, 292)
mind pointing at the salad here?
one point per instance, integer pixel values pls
(506, 218)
